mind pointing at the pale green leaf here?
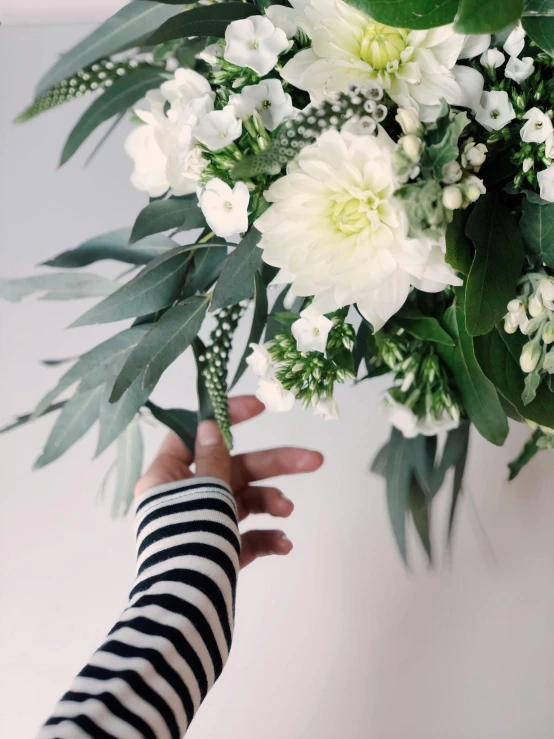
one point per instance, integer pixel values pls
(205, 20)
(115, 417)
(236, 281)
(129, 468)
(58, 286)
(179, 420)
(162, 215)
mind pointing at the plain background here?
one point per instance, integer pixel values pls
(337, 640)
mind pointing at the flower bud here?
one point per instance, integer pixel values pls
(476, 156)
(412, 146)
(548, 364)
(452, 172)
(473, 188)
(548, 333)
(514, 305)
(530, 356)
(409, 121)
(528, 164)
(546, 291)
(535, 306)
(452, 197)
(492, 58)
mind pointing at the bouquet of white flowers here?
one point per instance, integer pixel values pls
(375, 177)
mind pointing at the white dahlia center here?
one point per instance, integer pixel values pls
(382, 45)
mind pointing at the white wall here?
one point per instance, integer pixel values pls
(337, 640)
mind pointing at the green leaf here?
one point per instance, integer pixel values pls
(129, 468)
(459, 471)
(528, 452)
(205, 20)
(113, 245)
(538, 22)
(415, 14)
(499, 255)
(205, 407)
(479, 395)
(74, 421)
(454, 450)
(236, 281)
(180, 421)
(399, 477)
(156, 286)
(380, 461)
(442, 141)
(166, 340)
(93, 367)
(59, 286)
(25, 418)
(259, 321)
(419, 507)
(537, 229)
(119, 97)
(532, 382)
(423, 327)
(130, 24)
(498, 355)
(207, 265)
(161, 215)
(115, 417)
(475, 16)
(459, 249)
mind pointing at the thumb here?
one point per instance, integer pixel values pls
(212, 457)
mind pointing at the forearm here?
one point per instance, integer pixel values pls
(170, 644)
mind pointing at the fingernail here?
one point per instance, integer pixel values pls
(208, 434)
(286, 539)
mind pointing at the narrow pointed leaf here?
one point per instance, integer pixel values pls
(164, 342)
(124, 93)
(115, 417)
(259, 320)
(179, 420)
(420, 509)
(425, 328)
(459, 249)
(205, 20)
(398, 478)
(25, 418)
(74, 421)
(129, 468)
(162, 215)
(236, 281)
(156, 286)
(459, 471)
(58, 286)
(207, 265)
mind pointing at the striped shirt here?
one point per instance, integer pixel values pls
(156, 665)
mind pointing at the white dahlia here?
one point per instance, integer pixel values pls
(337, 232)
(415, 68)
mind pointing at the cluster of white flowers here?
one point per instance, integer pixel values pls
(406, 421)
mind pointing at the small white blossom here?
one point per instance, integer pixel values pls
(218, 129)
(535, 306)
(274, 396)
(538, 127)
(528, 164)
(492, 58)
(473, 188)
(546, 292)
(327, 409)
(259, 361)
(405, 420)
(516, 318)
(284, 18)
(452, 173)
(474, 155)
(548, 334)
(225, 209)
(530, 355)
(546, 183)
(255, 43)
(311, 331)
(268, 98)
(412, 146)
(409, 122)
(211, 54)
(519, 69)
(495, 111)
(452, 197)
(515, 41)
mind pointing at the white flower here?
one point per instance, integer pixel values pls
(337, 230)
(474, 155)
(452, 197)
(530, 355)
(452, 173)
(255, 43)
(259, 361)
(327, 409)
(412, 146)
(211, 54)
(268, 98)
(538, 127)
(546, 183)
(519, 69)
(415, 68)
(492, 58)
(546, 291)
(161, 149)
(528, 164)
(284, 18)
(496, 110)
(515, 41)
(218, 129)
(516, 318)
(409, 122)
(405, 420)
(311, 331)
(474, 45)
(274, 396)
(473, 188)
(225, 209)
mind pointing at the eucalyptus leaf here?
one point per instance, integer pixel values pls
(124, 93)
(76, 418)
(459, 249)
(475, 16)
(164, 342)
(537, 229)
(206, 268)
(236, 281)
(497, 265)
(455, 449)
(419, 506)
(26, 417)
(115, 417)
(259, 321)
(415, 14)
(204, 20)
(479, 396)
(182, 422)
(459, 471)
(156, 286)
(398, 479)
(162, 215)
(113, 245)
(129, 468)
(58, 286)
(528, 452)
(132, 23)
(380, 461)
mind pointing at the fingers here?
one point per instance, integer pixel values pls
(170, 465)
(244, 407)
(271, 463)
(211, 456)
(256, 544)
(263, 500)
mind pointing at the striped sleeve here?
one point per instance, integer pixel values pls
(156, 665)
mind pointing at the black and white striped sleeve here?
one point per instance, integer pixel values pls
(149, 677)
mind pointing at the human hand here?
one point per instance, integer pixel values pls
(212, 459)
